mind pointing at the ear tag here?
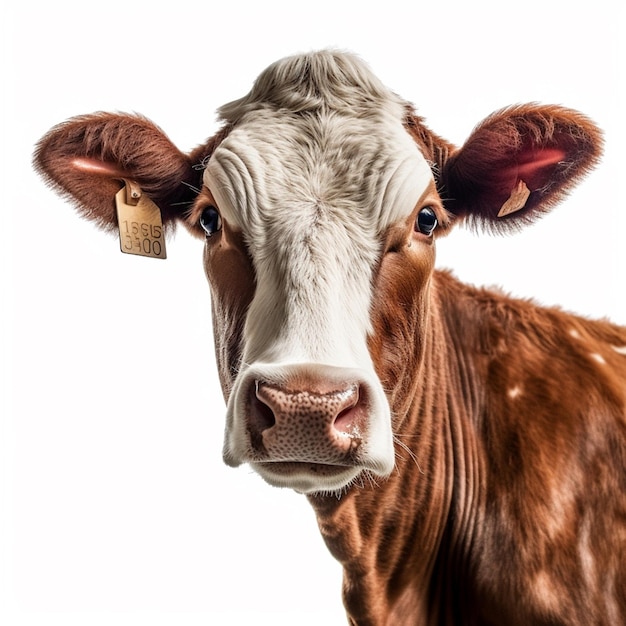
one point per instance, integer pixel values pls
(139, 222)
(517, 199)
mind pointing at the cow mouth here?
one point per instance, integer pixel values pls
(291, 467)
(306, 476)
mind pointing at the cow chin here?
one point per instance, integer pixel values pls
(307, 478)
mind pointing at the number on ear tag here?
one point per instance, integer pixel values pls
(140, 224)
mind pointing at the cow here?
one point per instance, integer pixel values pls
(464, 451)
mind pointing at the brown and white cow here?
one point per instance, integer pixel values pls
(465, 452)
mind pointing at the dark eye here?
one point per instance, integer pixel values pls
(210, 221)
(426, 221)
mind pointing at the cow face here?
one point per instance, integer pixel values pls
(300, 213)
(318, 202)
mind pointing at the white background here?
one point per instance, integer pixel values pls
(116, 508)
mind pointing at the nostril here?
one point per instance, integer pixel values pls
(344, 421)
(265, 416)
(261, 414)
(349, 419)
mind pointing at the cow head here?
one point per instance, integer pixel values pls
(320, 202)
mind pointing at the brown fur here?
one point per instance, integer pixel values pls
(508, 501)
(502, 502)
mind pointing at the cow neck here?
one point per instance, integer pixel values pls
(395, 538)
(466, 340)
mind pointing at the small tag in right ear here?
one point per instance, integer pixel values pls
(140, 224)
(516, 201)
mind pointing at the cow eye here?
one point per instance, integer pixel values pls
(426, 221)
(210, 221)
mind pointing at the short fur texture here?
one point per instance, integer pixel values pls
(473, 444)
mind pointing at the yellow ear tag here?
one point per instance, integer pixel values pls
(139, 221)
(516, 201)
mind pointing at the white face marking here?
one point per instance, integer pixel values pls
(312, 192)
(312, 216)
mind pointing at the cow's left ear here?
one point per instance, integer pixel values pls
(88, 158)
(518, 164)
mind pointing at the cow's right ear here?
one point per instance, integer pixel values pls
(87, 158)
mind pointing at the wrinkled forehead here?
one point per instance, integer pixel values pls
(275, 163)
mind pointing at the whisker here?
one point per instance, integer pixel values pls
(190, 186)
(372, 480)
(411, 454)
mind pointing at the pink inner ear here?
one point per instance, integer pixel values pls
(532, 163)
(98, 168)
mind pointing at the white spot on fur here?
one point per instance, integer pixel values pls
(620, 349)
(514, 392)
(545, 592)
(598, 357)
(574, 333)
(585, 556)
(561, 504)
